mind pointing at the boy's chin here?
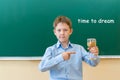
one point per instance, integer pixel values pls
(63, 41)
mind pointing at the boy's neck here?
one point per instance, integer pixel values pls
(64, 44)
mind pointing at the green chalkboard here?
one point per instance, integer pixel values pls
(26, 26)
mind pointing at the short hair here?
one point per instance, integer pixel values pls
(62, 19)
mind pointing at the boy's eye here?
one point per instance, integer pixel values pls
(65, 30)
(58, 30)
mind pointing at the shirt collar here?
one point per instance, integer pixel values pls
(59, 44)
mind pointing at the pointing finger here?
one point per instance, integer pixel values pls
(71, 52)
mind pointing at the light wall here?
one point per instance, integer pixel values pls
(108, 69)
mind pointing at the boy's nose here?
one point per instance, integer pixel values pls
(62, 32)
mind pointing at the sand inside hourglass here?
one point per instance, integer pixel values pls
(91, 43)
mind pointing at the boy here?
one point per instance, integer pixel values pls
(64, 59)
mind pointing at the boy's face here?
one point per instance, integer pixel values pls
(62, 32)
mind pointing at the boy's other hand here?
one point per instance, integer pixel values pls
(94, 50)
(66, 55)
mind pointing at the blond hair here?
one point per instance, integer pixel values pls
(62, 19)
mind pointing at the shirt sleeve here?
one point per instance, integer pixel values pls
(89, 58)
(48, 61)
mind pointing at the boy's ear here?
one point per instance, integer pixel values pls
(71, 30)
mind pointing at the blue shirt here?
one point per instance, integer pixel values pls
(71, 69)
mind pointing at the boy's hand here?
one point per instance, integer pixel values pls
(94, 50)
(66, 55)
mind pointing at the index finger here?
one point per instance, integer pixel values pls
(71, 52)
